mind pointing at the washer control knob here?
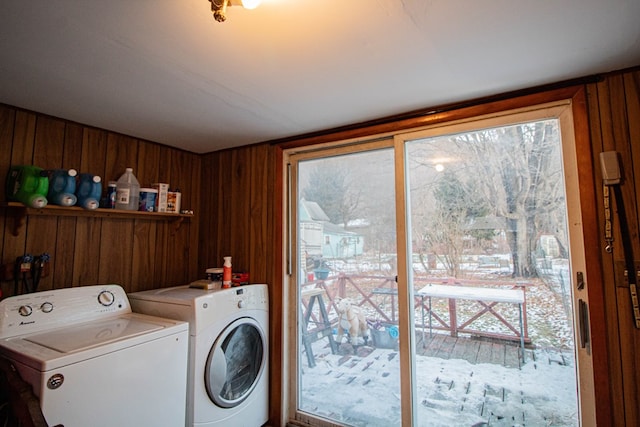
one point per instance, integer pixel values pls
(46, 307)
(25, 310)
(106, 298)
(241, 304)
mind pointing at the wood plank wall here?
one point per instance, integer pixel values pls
(614, 115)
(238, 211)
(136, 253)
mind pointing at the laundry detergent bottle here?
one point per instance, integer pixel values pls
(89, 190)
(28, 185)
(62, 187)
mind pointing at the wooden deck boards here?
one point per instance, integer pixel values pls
(472, 350)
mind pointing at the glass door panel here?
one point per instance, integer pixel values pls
(491, 276)
(348, 364)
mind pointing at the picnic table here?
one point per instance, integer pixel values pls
(487, 297)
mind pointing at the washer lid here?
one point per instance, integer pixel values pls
(93, 334)
(60, 347)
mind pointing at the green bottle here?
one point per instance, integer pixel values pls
(28, 185)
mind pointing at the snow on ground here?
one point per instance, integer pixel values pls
(364, 391)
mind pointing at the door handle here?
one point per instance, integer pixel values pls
(583, 318)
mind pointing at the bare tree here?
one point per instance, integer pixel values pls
(330, 185)
(519, 171)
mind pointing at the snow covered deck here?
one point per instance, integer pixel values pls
(461, 381)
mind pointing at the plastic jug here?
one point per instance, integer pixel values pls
(89, 190)
(127, 191)
(28, 185)
(62, 187)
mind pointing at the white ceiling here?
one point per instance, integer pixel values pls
(166, 71)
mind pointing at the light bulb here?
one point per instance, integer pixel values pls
(250, 4)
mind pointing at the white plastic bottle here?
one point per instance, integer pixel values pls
(127, 191)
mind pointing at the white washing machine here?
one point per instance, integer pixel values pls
(228, 352)
(93, 362)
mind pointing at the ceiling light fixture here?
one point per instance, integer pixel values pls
(219, 7)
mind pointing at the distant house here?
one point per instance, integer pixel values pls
(319, 236)
(340, 243)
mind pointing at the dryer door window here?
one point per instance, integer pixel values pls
(235, 363)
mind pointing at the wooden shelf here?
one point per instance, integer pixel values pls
(23, 211)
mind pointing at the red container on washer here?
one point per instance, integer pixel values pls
(239, 279)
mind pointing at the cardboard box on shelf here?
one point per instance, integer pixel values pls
(173, 201)
(161, 200)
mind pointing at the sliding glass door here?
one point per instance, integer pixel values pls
(345, 293)
(492, 267)
(433, 281)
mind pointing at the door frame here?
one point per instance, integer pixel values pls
(280, 360)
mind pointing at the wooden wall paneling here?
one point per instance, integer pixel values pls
(223, 209)
(161, 265)
(178, 251)
(7, 121)
(602, 140)
(627, 330)
(145, 232)
(42, 231)
(206, 212)
(116, 241)
(192, 201)
(48, 143)
(144, 248)
(261, 225)
(629, 85)
(94, 154)
(116, 252)
(148, 163)
(239, 210)
(632, 91)
(621, 342)
(122, 153)
(63, 263)
(23, 138)
(164, 165)
(21, 154)
(86, 255)
(219, 236)
(178, 255)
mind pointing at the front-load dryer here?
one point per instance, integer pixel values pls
(228, 376)
(91, 361)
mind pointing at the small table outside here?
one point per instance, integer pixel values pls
(514, 296)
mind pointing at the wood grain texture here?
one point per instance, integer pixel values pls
(86, 250)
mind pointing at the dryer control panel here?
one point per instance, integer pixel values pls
(29, 313)
(252, 297)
